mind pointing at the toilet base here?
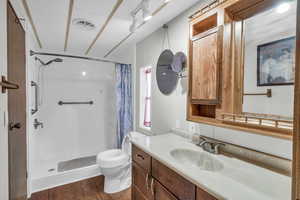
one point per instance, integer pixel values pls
(114, 185)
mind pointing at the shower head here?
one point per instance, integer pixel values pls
(54, 60)
(49, 62)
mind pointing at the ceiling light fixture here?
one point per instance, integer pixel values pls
(134, 24)
(147, 15)
(282, 8)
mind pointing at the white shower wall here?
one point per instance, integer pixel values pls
(72, 131)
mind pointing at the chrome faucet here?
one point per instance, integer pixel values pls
(209, 146)
(37, 123)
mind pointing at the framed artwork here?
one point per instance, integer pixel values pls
(276, 63)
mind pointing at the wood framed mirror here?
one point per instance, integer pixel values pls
(256, 66)
(264, 35)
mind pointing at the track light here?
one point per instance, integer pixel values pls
(133, 26)
(147, 15)
(146, 12)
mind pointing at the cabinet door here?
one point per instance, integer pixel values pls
(136, 194)
(179, 186)
(202, 195)
(141, 180)
(206, 60)
(161, 193)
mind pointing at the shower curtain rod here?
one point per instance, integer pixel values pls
(32, 53)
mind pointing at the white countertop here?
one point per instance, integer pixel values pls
(238, 180)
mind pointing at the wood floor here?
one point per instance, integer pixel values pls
(90, 189)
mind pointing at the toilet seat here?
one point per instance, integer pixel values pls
(112, 158)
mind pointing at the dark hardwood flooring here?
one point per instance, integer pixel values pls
(90, 189)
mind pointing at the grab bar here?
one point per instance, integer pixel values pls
(35, 85)
(75, 103)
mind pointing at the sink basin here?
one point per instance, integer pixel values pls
(202, 160)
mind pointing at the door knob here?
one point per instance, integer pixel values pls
(13, 126)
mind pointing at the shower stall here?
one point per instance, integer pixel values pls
(76, 102)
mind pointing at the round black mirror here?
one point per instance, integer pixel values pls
(166, 78)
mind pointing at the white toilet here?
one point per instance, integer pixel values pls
(115, 165)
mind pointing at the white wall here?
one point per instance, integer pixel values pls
(264, 28)
(31, 69)
(3, 106)
(169, 112)
(73, 131)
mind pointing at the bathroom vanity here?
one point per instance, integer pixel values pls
(154, 180)
(170, 167)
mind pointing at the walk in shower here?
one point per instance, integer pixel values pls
(77, 108)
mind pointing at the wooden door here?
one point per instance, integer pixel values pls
(17, 107)
(161, 193)
(206, 59)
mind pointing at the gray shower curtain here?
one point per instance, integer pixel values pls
(124, 101)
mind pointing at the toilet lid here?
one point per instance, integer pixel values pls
(112, 158)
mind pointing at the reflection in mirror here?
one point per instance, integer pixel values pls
(269, 62)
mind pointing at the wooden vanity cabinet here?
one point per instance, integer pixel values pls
(155, 181)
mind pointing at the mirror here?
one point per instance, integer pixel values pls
(269, 62)
(166, 78)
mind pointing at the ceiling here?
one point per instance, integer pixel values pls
(50, 19)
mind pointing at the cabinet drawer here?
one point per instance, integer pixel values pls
(141, 158)
(162, 193)
(180, 187)
(202, 195)
(141, 180)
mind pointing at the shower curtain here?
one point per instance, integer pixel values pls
(124, 101)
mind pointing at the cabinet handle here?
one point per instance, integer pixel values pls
(140, 156)
(152, 186)
(147, 181)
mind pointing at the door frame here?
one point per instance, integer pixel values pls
(4, 181)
